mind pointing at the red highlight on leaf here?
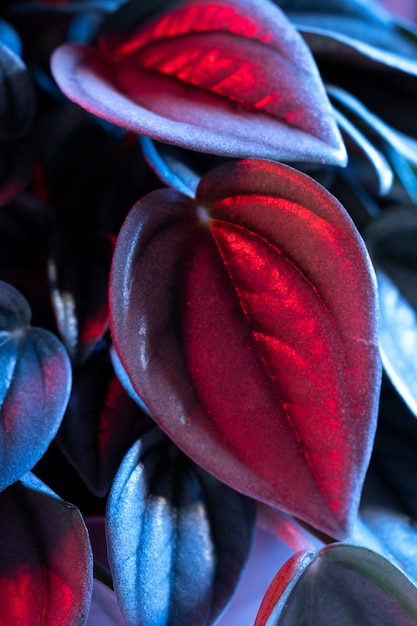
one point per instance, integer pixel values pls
(229, 78)
(246, 321)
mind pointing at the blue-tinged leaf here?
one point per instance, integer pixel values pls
(125, 380)
(45, 558)
(17, 95)
(339, 584)
(104, 609)
(34, 390)
(69, 6)
(10, 38)
(178, 539)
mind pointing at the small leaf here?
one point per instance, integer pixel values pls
(177, 538)
(210, 297)
(206, 80)
(35, 385)
(79, 266)
(45, 558)
(340, 584)
(100, 424)
(104, 610)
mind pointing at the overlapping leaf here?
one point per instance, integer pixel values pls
(79, 266)
(340, 584)
(178, 539)
(100, 424)
(35, 385)
(246, 322)
(205, 78)
(45, 558)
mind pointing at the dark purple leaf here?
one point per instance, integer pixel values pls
(178, 539)
(45, 558)
(340, 584)
(17, 100)
(209, 302)
(35, 385)
(207, 80)
(100, 424)
(79, 266)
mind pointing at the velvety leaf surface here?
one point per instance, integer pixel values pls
(45, 558)
(35, 385)
(79, 266)
(205, 78)
(178, 539)
(209, 302)
(17, 101)
(100, 424)
(340, 584)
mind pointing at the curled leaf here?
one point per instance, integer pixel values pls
(206, 80)
(177, 538)
(246, 321)
(35, 385)
(45, 558)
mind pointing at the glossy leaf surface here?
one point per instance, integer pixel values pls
(212, 297)
(204, 77)
(340, 584)
(45, 558)
(100, 424)
(35, 385)
(178, 539)
(79, 266)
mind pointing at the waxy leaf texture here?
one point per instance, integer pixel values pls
(246, 321)
(35, 384)
(204, 76)
(46, 564)
(178, 538)
(340, 584)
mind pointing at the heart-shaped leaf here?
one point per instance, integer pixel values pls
(246, 322)
(206, 80)
(79, 266)
(45, 558)
(35, 385)
(177, 538)
(100, 424)
(340, 584)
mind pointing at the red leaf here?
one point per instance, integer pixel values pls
(246, 322)
(45, 558)
(204, 76)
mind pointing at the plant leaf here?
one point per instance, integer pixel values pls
(177, 538)
(35, 385)
(100, 424)
(17, 104)
(206, 80)
(340, 584)
(209, 298)
(45, 558)
(79, 266)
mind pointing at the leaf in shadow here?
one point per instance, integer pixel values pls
(209, 301)
(206, 80)
(78, 268)
(35, 385)
(339, 584)
(17, 101)
(177, 538)
(46, 565)
(100, 424)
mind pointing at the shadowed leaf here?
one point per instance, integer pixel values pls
(340, 584)
(45, 558)
(178, 539)
(212, 297)
(17, 99)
